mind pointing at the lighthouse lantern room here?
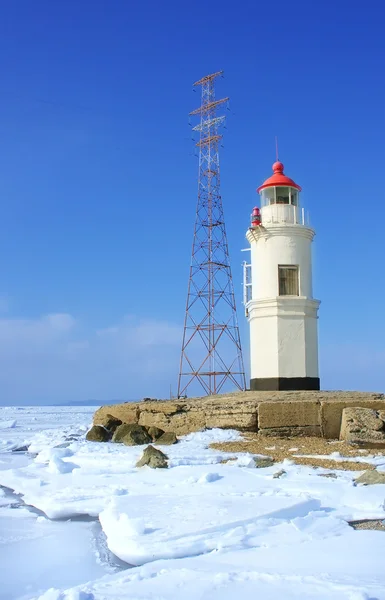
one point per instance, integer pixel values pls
(280, 307)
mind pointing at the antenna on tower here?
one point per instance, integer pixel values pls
(211, 348)
(276, 149)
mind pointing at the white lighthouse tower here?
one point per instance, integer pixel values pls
(279, 303)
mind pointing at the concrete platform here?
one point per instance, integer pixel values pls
(292, 413)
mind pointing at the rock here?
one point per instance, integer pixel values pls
(126, 412)
(370, 478)
(154, 458)
(288, 413)
(226, 414)
(279, 474)
(273, 413)
(167, 439)
(172, 416)
(111, 423)
(263, 461)
(375, 444)
(371, 524)
(289, 432)
(154, 432)
(97, 433)
(362, 418)
(362, 426)
(329, 475)
(131, 435)
(331, 410)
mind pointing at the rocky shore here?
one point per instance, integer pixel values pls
(277, 414)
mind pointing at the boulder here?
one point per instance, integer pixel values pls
(363, 427)
(126, 412)
(154, 432)
(263, 461)
(328, 475)
(332, 409)
(154, 458)
(279, 474)
(131, 435)
(98, 433)
(111, 423)
(370, 478)
(167, 439)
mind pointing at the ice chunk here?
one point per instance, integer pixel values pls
(59, 466)
(7, 424)
(209, 478)
(50, 453)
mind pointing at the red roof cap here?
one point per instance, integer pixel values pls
(279, 178)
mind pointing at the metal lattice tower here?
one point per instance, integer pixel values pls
(211, 348)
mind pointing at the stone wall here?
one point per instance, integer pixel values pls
(304, 413)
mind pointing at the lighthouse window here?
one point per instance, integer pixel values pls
(294, 197)
(283, 195)
(268, 196)
(288, 280)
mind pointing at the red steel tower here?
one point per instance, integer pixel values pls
(211, 348)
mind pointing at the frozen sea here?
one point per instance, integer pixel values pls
(78, 520)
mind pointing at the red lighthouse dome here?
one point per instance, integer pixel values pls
(278, 179)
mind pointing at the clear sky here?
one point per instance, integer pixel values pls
(98, 180)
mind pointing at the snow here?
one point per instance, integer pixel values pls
(206, 528)
(230, 523)
(377, 461)
(316, 570)
(29, 543)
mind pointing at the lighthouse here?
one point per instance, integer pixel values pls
(279, 302)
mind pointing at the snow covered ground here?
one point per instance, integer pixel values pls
(83, 523)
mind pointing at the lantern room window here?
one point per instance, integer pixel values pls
(293, 197)
(279, 195)
(268, 196)
(282, 195)
(288, 280)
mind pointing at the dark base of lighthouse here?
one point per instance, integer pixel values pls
(270, 384)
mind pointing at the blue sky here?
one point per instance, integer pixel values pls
(98, 180)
